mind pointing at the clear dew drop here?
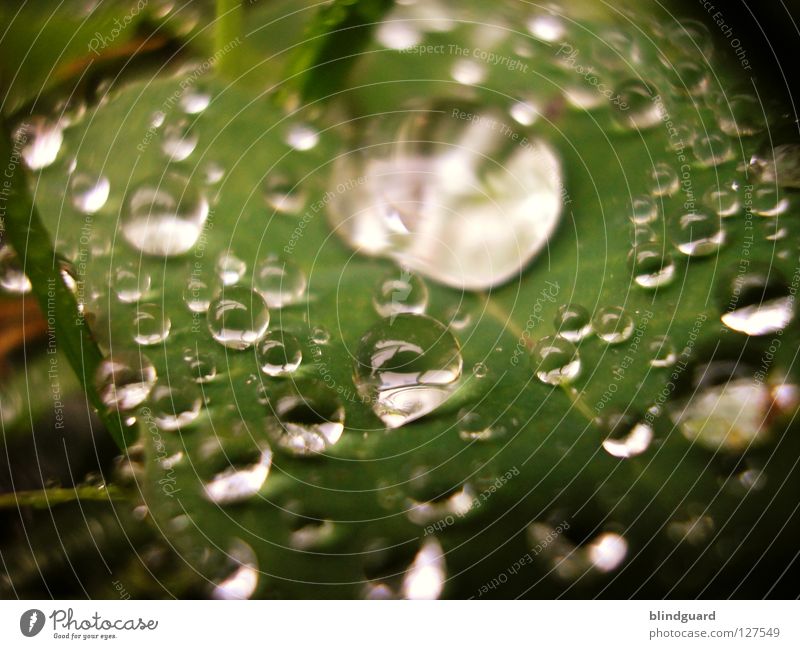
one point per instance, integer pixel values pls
(279, 353)
(242, 478)
(241, 578)
(477, 426)
(697, 234)
(555, 361)
(455, 503)
(151, 325)
(279, 281)
(458, 317)
(425, 577)
(625, 436)
(238, 317)
(652, 265)
(468, 72)
(309, 418)
(406, 367)
(130, 282)
(302, 137)
(742, 115)
(780, 167)
(165, 216)
(480, 370)
(547, 28)
(607, 551)
(213, 172)
(613, 325)
(174, 407)
(282, 194)
(469, 210)
(230, 268)
(400, 292)
(644, 209)
(664, 180)
(124, 380)
(88, 192)
(198, 293)
(768, 200)
(39, 141)
(12, 279)
(194, 101)
(723, 200)
(398, 34)
(640, 111)
(524, 112)
(202, 365)
(178, 140)
(320, 336)
(711, 149)
(662, 352)
(757, 302)
(572, 322)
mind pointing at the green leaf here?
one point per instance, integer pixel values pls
(541, 495)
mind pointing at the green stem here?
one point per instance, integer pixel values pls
(30, 239)
(46, 498)
(228, 30)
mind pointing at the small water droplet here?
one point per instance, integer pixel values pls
(89, 193)
(194, 101)
(613, 325)
(230, 268)
(476, 426)
(607, 551)
(406, 367)
(572, 322)
(768, 200)
(400, 293)
(202, 366)
(757, 302)
(723, 199)
(124, 380)
(644, 209)
(697, 234)
(640, 111)
(662, 352)
(178, 140)
(238, 317)
(665, 181)
(282, 194)
(320, 336)
(425, 577)
(555, 361)
(309, 418)
(12, 279)
(241, 577)
(39, 141)
(130, 282)
(652, 265)
(279, 281)
(242, 478)
(279, 353)
(198, 293)
(150, 324)
(175, 407)
(302, 137)
(468, 72)
(711, 149)
(625, 437)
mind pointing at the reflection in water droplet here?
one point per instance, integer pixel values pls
(279, 281)
(406, 367)
(320, 336)
(640, 110)
(572, 322)
(238, 317)
(662, 352)
(665, 180)
(130, 282)
(469, 211)
(756, 302)
(178, 140)
(302, 137)
(613, 325)
(279, 353)
(652, 265)
(198, 294)
(164, 216)
(242, 479)
(174, 407)
(456, 504)
(150, 324)
(124, 380)
(89, 193)
(230, 268)
(425, 577)
(697, 234)
(625, 436)
(723, 199)
(480, 370)
(644, 209)
(242, 578)
(309, 418)
(39, 141)
(202, 366)
(400, 293)
(555, 361)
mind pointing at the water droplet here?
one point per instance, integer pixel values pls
(242, 478)
(238, 317)
(279, 353)
(469, 211)
(662, 352)
(697, 234)
(768, 200)
(780, 167)
(572, 322)
(665, 181)
(742, 115)
(480, 370)
(468, 72)
(406, 367)
(712, 149)
(130, 282)
(458, 317)
(320, 336)
(723, 199)
(150, 324)
(309, 418)
(652, 265)
(12, 279)
(194, 101)
(198, 294)
(230, 268)
(279, 281)
(302, 137)
(555, 361)
(213, 172)
(613, 325)
(282, 194)
(547, 28)
(164, 216)
(398, 34)
(757, 302)
(475, 426)
(39, 141)
(644, 209)
(425, 577)
(174, 407)
(524, 112)
(400, 293)
(124, 380)
(456, 503)
(625, 437)
(241, 579)
(607, 551)
(89, 193)
(640, 111)
(178, 140)
(202, 366)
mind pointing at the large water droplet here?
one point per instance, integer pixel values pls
(555, 361)
(124, 380)
(164, 216)
(457, 194)
(238, 317)
(406, 367)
